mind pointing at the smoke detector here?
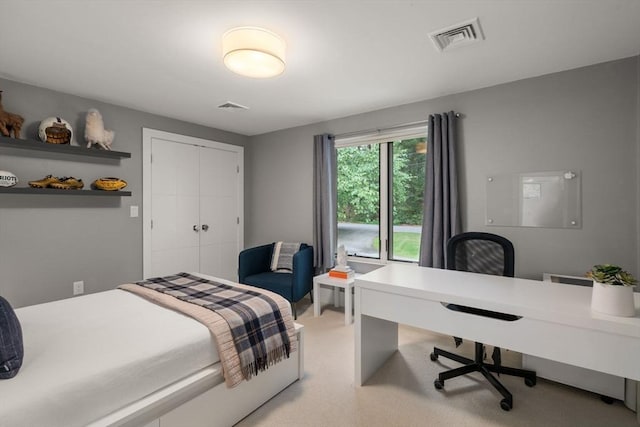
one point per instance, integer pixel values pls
(457, 35)
(232, 106)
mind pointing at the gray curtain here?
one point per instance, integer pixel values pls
(441, 218)
(324, 201)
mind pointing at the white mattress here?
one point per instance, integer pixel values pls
(88, 356)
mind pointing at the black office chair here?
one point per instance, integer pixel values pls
(488, 254)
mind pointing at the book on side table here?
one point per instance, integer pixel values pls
(340, 272)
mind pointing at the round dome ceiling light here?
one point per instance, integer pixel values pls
(253, 52)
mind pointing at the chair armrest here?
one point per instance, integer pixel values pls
(254, 260)
(302, 272)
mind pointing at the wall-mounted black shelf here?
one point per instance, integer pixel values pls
(59, 192)
(31, 144)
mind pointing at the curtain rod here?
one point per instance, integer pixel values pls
(378, 130)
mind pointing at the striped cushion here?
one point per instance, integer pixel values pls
(282, 258)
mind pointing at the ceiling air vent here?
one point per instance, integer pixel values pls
(232, 106)
(457, 35)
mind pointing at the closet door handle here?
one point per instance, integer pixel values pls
(205, 227)
(195, 228)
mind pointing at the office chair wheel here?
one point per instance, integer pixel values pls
(505, 405)
(530, 382)
(438, 384)
(433, 357)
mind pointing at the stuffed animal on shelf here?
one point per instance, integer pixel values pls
(94, 131)
(10, 122)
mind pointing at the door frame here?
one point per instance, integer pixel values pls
(147, 136)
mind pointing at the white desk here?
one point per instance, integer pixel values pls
(557, 322)
(346, 284)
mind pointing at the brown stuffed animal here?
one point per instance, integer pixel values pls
(9, 122)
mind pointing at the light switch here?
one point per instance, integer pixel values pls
(133, 211)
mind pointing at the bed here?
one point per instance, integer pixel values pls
(116, 359)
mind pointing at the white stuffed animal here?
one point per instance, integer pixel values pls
(94, 131)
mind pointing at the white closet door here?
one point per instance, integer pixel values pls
(193, 205)
(219, 190)
(175, 182)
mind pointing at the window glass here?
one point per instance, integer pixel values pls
(409, 161)
(359, 200)
(380, 197)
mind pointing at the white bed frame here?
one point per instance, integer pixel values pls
(204, 400)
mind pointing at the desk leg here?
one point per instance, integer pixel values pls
(376, 340)
(638, 401)
(347, 304)
(316, 299)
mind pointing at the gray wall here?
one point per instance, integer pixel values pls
(585, 119)
(638, 168)
(48, 242)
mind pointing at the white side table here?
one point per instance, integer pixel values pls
(346, 284)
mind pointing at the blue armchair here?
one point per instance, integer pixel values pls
(254, 268)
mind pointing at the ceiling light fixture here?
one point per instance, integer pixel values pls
(253, 52)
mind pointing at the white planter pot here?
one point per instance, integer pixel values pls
(614, 300)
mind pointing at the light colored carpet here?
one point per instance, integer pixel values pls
(401, 393)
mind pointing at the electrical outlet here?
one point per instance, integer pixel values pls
(78, 287)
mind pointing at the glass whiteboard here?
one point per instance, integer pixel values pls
(534, 199)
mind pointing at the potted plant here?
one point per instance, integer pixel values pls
(612, 290)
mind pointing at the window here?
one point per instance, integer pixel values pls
(380, 193)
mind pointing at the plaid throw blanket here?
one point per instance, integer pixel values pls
(258, 329)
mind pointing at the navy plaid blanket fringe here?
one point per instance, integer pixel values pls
(258, 329)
